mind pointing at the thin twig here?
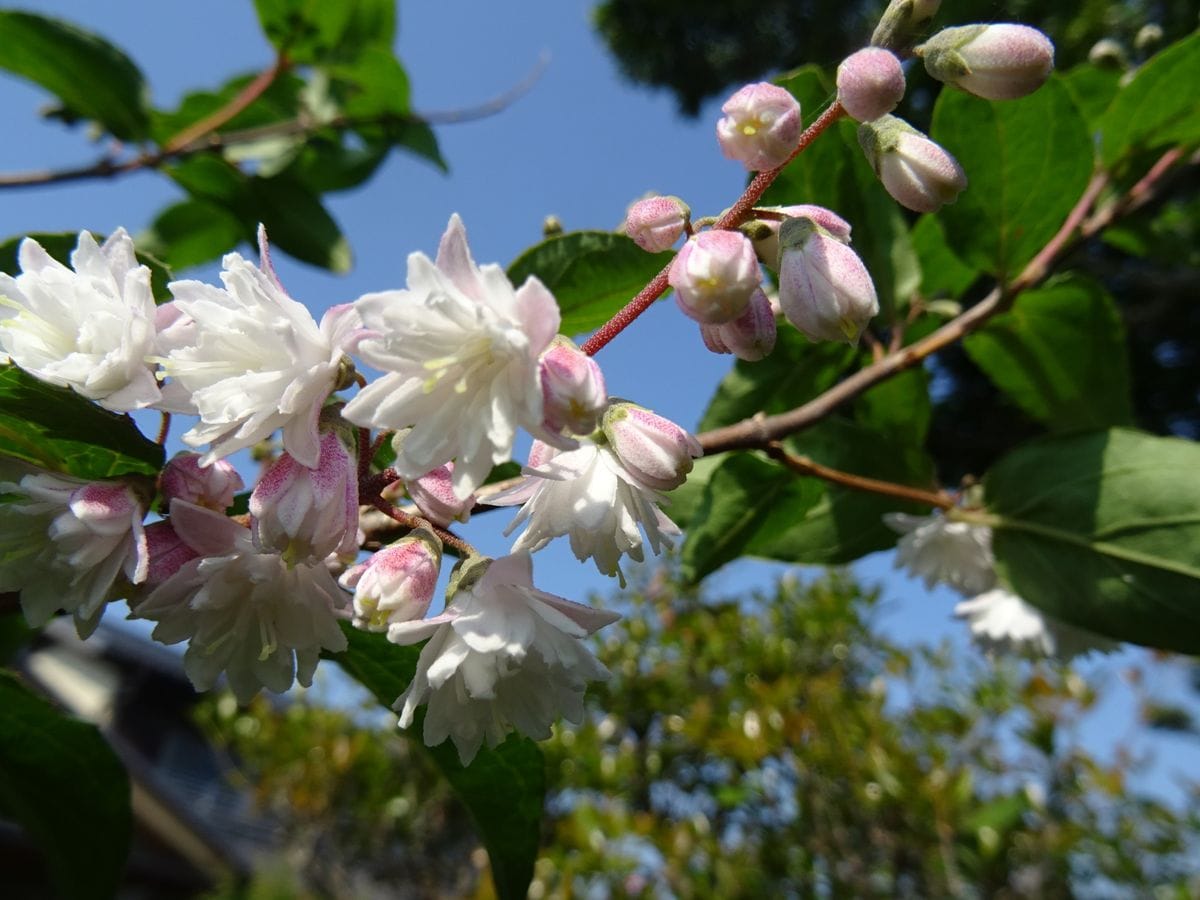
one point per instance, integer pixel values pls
(246, 96)
(163, 429)
(802, 465)
(449, 538)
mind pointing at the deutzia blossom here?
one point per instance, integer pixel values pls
(460, 348)
(503, 655)
(249, 360)
(589, 495)
(939, 550)
(64, 542)
(1001, 621)
(248, 614)
(90, 327)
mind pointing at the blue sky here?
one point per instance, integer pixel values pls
(581, 145)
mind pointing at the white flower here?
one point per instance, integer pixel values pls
(938, 550)
(64, 542)
(248, 359)
(1001, 621)
(503, 655)
(589, 495)
(460, 348)
(90, 328)
(247, 614)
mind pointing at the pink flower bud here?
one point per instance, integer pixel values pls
(996, 62)
(915, 171)
(655, 451)
(396, 584)
(573, 392)
(761, 126)
(766, 243)
(307, 514)
(714, 275)
(434, 495)
(870, 83)
(168, 552)
(212, 486)
(751, 336)
(824, 288)
(656, 223)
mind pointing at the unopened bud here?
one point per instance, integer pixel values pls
(307, 514)
(656, 223)
(573, 392)
(167, 553)
(902, 23)
(918, 173)
(766, 242)
(1148, 37)
(996, 62)
(824, 288)
(870, 83)
(751, 336)
(396, 584)
(213, 486)
(433, 493)
(714, 275)
(761, 126)
(1108, 53)
(654, 450)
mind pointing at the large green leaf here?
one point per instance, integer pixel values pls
(60, 245)
(57, 429)
(192, 232)
(1102, 529)
(318, 31)
(796, 371)
(503, 789)
(60, 780)
(93, 79)
(1160, 106)
(942, 273)
(1093, 89)
(1027, 161)
(592, 274)
(1060, 354)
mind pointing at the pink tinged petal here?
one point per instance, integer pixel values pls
(538, 313)
(264, 258)
(415, 631)
(586, 618)
(454, 259)
(206, 531)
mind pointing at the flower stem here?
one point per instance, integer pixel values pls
(163, 429)
(449, 538)
(802, 465)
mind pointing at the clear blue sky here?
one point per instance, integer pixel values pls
(581, 145)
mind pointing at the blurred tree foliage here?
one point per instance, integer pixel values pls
(767, 747)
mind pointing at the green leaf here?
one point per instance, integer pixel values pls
(503, 789)
(815, 176)
(1093, 89)
(1028, 162)
(1160, 106)
(796, 371)
(192, 232)
(278, 103)
(942, 273)
(14, 634)
(57, 429)
(61, 245)
(898, 407)
(1102, 530)
(317, 31)
(92, 78)
(62, 782)
(686, 499)
(592, 274)
(1060, 354)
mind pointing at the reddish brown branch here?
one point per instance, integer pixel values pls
(802, 465)
(238, 104)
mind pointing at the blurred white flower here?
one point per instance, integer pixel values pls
(89, 327)
(938, 550)
(460, 348)
(503, 655)
(1001, 621)
(249, 360)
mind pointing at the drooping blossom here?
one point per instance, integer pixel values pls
(248, 615)
(1000, 621)
(917, 172)
(459, 348)
(502, 656)
(214, 485)
(997, 62)
(65, 542)
(588, 495)
(751, 336)
(654, 451)
(573, 390)
(249, 360)
(89, 327)
(395, 584)
(825, 289)
(942, 551)
(433, 493)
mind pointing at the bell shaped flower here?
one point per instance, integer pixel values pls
(588, 495)
(249, 360)
(1000, 621)
(90, 327)
(573, 391)
(761, 126)
(917, 172)
(502, 656)
(656, 223)
(308, 513)
(714, 275)
(213, 485)
(65, 542)
(249, 615)
(395, 584)
(942, 551)
(751, 336)
(870, 83)
(460, 350)
(824, 288)
(997, 62)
